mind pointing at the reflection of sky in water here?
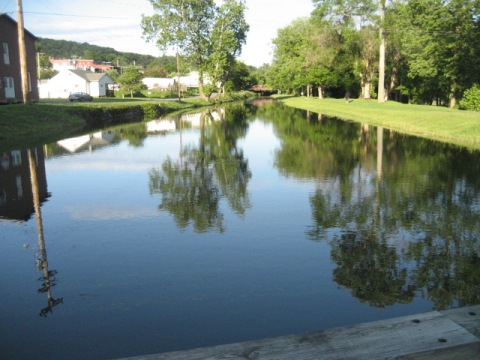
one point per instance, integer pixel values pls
(133, 283)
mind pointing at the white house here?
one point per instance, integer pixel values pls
(167, 84)
(90, 141)
(69, 81)
(159, 84)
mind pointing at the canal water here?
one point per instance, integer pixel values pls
(230, 224)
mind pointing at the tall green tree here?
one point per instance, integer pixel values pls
(440, 44)
(288, 67)
(45, 67)
(131, 80)
(311, 53)
(229, 34)
(184, 25)
(324, 57)
(240, 77)
(209, 36)
(354, 20)
(164, 66)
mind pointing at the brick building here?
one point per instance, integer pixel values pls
(10, 72)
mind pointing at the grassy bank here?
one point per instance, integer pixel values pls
(447, 125)
(23, 126)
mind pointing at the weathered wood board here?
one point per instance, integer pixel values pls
(467, 317)
(433, 335)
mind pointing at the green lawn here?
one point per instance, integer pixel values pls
(47, 121)
(439, 123)
(23, 126)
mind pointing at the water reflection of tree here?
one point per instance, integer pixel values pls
(192, 187)
(370, 268)
(48, 279)
(409, 223)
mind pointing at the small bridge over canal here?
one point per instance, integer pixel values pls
(262, 90)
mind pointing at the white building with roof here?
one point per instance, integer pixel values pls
(168, 84)
(69, 81)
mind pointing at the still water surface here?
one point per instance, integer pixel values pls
(229, 225)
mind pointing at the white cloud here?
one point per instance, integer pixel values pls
(108, 212)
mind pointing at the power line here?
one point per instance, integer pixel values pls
(76, 16)
(6, 5)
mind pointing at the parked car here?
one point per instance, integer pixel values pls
(80, 96)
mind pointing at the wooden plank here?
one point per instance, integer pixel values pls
(431, 335)
(467, 317)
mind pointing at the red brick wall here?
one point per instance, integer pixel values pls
(9, 35)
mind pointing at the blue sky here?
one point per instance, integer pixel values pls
(116, 23)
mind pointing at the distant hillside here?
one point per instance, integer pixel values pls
(63, 49)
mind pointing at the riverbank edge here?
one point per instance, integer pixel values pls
(450, 126)
(33, 125)
(434, 335)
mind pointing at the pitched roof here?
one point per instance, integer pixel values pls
(8, 18)
(88, 75)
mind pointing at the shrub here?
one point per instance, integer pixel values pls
(471, 99)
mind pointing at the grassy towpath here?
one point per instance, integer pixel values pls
(23, 126)
(434, 122)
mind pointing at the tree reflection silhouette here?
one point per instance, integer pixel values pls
(192, 187)
(400, 213)
(370, 269)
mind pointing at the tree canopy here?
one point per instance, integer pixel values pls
(422, 51)
(64, 49)
(208, 36)
(131, 80)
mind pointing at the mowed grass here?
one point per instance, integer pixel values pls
(23, 126)
(44, 122)
(30, 125)
(434, 122)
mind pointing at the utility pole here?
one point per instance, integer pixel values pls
(39, 68)
(22, 51)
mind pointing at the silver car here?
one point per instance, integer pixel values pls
(80, 96)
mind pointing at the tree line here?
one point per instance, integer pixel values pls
(64, 49)
(420, 51)
(207, 38)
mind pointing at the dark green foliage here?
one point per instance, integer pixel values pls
(471, 99)
(63, 49)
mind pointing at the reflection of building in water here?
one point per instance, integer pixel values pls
(209, 115)
(87, 142)
(16, 198)
(192, 119)
(259, 102)
(161, 125)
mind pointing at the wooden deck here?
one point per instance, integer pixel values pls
(439, 335)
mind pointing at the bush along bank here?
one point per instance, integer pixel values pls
(100, 117)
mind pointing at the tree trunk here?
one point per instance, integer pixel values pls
(367, 85)
(381, 63)
(453, 98)
(201, 92)
(453, 101)
(394, 77)
(320, 92)
(367, 81)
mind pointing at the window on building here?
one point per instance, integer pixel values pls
(16, 158)
(9, 86)
(3, 197)
(18, 181)
(6, 54)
